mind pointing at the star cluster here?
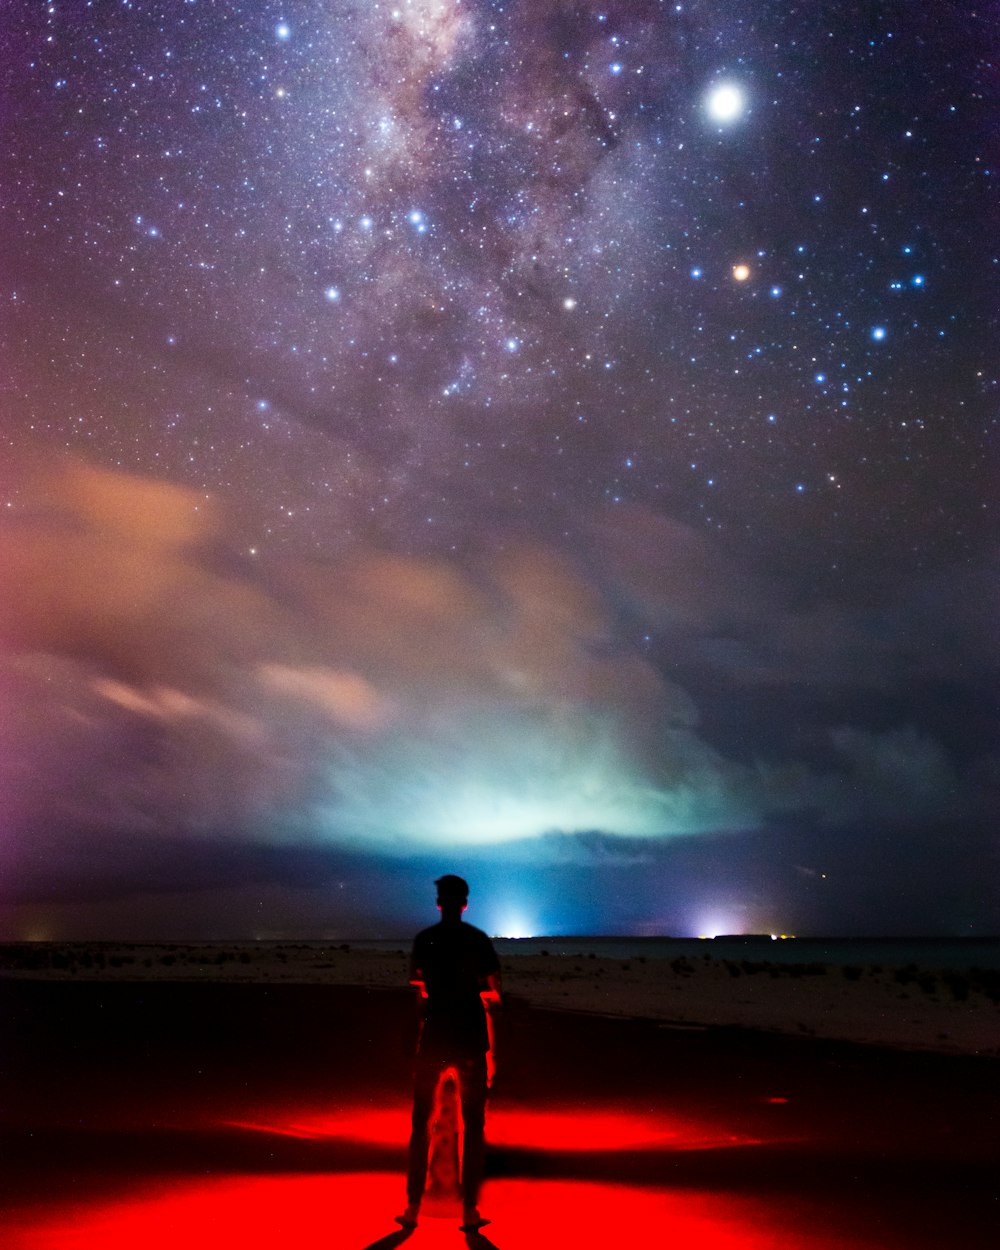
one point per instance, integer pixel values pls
(408, 261)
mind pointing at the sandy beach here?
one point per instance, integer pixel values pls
(951, 1011)
(258, 1097)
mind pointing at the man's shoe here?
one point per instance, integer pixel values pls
(472, 1220)
(409, 1217)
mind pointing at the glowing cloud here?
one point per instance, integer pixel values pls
(346, 698)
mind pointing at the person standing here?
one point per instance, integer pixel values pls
(457, 970)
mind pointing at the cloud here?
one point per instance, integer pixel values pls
(675, 575)
(164, 704)
(758, 625)
(345, 698)
(158, 684)
(900, 775)
(110, 568)
(140, 511)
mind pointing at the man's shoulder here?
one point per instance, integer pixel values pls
(464, 934)
(483, 945)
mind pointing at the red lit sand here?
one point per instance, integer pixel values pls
(203, 1114)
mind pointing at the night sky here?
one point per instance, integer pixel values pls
(543, 441)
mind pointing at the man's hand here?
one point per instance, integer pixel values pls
(491, 992)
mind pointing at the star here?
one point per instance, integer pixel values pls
(725, 102)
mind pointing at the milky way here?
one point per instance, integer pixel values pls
(433, 426)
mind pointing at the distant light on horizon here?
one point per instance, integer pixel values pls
(514, 926)
(721, 923)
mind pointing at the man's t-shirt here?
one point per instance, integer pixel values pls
(453, 961)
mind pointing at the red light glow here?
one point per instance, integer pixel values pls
(349, 1212)
(563, 1129)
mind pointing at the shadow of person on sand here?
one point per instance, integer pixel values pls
(473, 1240)
(390, 1240)
(479, 1241)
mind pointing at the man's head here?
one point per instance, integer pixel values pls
(452, 894)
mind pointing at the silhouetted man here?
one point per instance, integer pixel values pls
(456, 968)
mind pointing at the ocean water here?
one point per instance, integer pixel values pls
(957, 953)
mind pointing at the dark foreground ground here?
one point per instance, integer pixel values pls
(251, 1116)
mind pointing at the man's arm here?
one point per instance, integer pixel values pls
(489, 972)
(417, 974)
(492, 1001)
(492, 991)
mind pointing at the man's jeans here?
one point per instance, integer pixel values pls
(472, 1092)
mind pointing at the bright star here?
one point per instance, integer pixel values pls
(283, 31)
(332, 294)
(741, 272)
(724, 102)
(878, 333)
